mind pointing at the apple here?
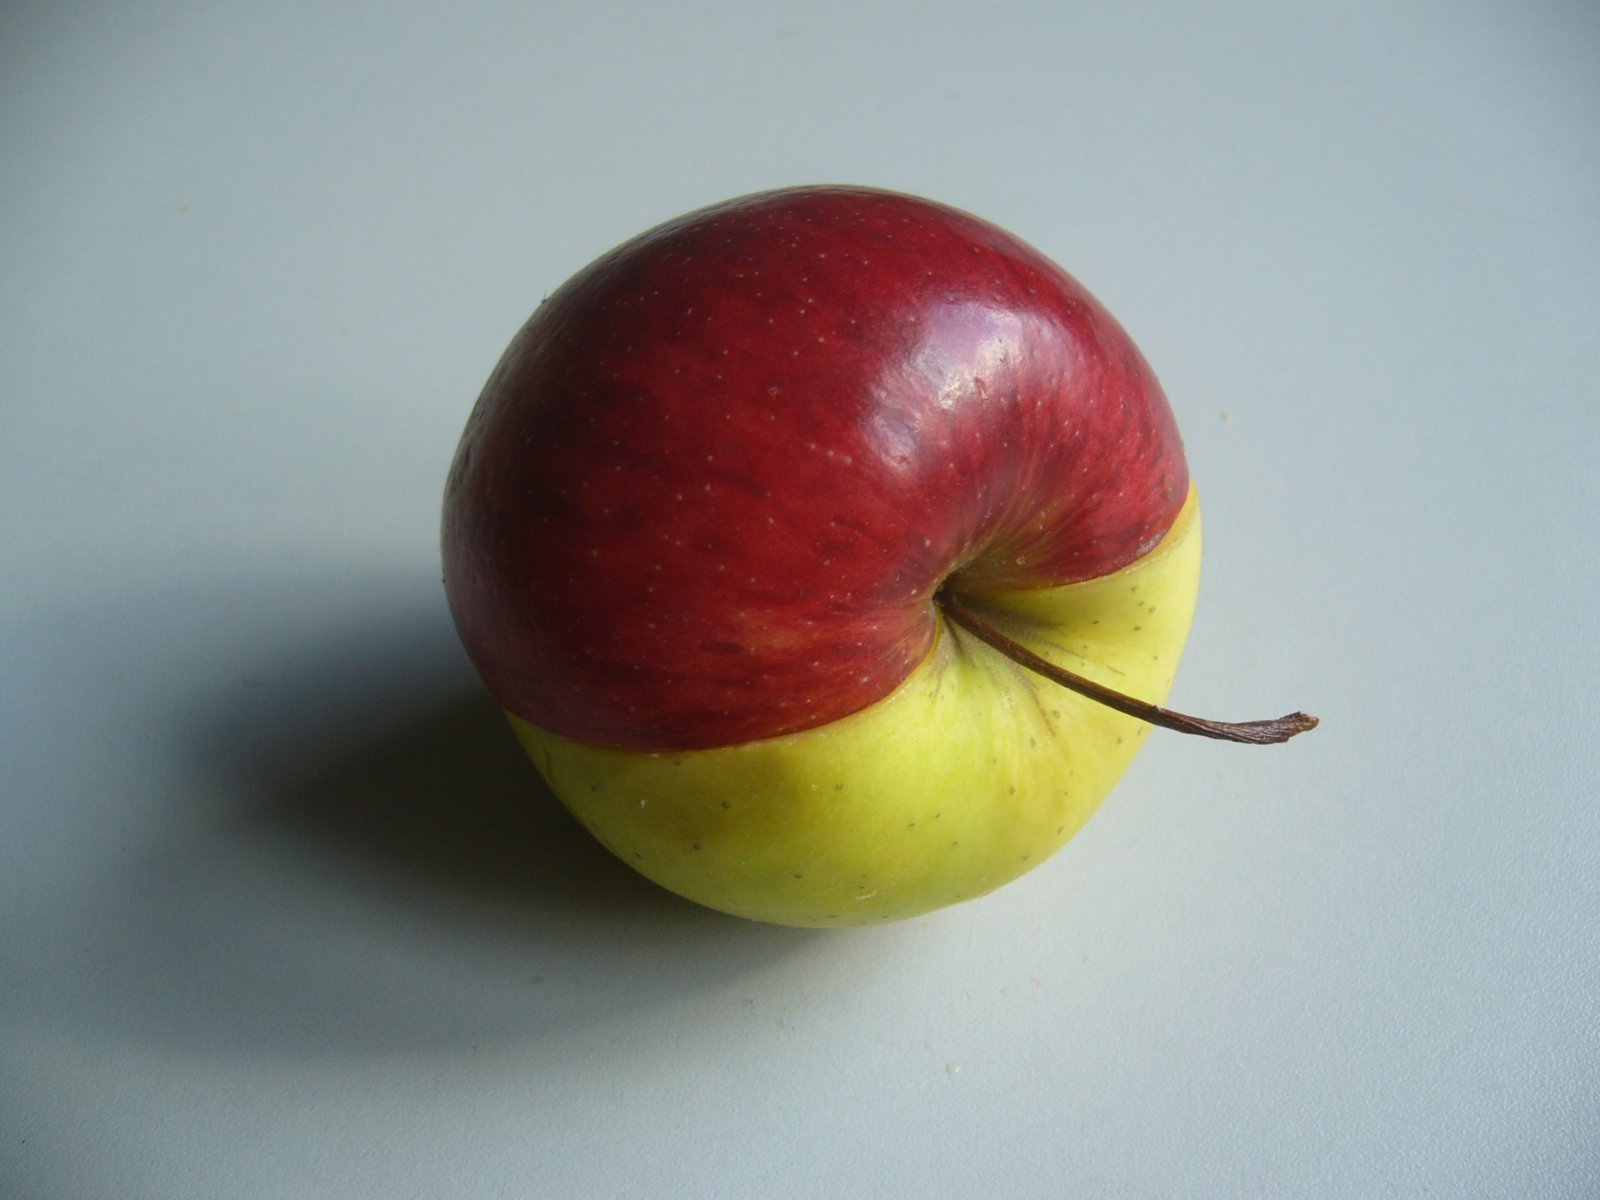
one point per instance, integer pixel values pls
(830, 551)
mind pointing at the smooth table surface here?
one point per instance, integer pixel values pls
(283, 911)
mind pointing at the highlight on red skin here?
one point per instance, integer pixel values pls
(711, 490)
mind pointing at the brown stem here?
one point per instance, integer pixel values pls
(1256, 733)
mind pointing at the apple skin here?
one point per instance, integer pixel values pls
(971, 772)
(699, 522)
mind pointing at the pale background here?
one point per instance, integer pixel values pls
(284, 914)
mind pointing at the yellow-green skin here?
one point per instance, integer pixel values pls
(971, 772)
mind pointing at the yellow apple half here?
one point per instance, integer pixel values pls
(973, 771)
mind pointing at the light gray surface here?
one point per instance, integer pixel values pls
(282, 914)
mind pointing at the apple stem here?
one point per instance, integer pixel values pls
(1255, 733)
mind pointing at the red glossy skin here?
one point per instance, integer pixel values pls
(710, 491)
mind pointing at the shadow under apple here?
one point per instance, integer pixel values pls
(342, 849)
